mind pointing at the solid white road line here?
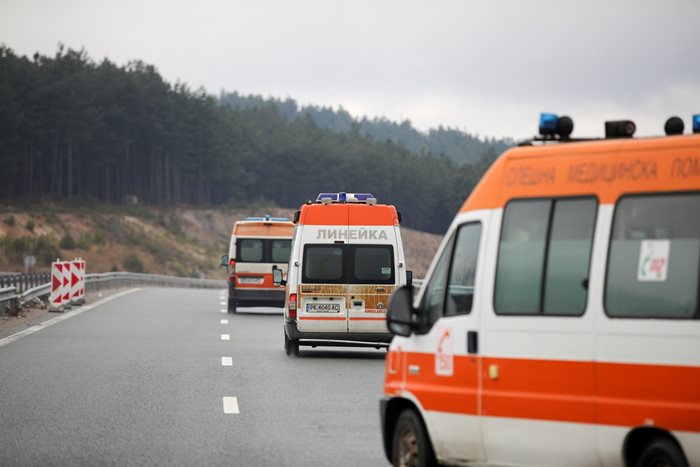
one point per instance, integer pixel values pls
(225, 337)
(67, 315)
(224, 321)
(231, 405)
(226, 361)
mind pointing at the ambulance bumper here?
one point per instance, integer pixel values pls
(252, 297)
(338, 339)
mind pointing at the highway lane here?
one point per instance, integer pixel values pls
(140, 381)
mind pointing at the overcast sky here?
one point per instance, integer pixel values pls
(487, 67)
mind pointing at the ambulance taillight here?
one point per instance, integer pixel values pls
(232, 265)
(293, 305)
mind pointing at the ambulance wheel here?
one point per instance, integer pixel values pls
(661, 452)
(410, 445)
(232, 305)
(291, 347)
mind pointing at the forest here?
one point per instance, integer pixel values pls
(75, 129)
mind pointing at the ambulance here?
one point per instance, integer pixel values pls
(347, 259)
(257, 244)
(558, 324)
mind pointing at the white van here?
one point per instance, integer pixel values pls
(347, 258)
(559, 324)
(257, 244)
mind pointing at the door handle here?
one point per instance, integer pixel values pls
(472, 342)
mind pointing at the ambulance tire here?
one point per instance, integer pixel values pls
(232, 305)
(661, 452)
(411, 445)
(291, 347)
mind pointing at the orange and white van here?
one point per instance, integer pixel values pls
(257, 244)
(558, 324)
(347, 258)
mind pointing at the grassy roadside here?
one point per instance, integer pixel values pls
(179, 241)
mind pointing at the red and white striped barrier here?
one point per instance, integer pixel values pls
(67, 284)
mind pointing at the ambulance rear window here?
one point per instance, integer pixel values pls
(250, 250)
(654, 257)
(324, 264)
(373, 264)
(280, 250)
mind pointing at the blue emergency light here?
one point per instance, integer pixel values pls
(696, 123)
(553, 126)
(548, 124)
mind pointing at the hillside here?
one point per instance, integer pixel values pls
(174, 241)
(72, 128)
(459, 146)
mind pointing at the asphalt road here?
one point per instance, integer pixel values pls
(140, 380)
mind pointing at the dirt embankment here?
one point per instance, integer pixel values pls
(175, 241)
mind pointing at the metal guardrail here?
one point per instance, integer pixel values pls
(23, 282)
(108, 280)
(9, 296)
(8, 299)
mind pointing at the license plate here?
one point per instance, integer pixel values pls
(323, 307)
(250, 280)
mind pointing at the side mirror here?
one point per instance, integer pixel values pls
(277, 278)
(400, 313)
(224, 261)
(409, 278)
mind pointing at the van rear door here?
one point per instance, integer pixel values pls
(372, 273)
(321, 297)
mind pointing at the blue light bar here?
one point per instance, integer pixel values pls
(331, 196)
(548, 124)
(267, 218)
(343, 197)
(696, 123)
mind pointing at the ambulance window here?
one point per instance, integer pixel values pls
(373, 264)
(654, 257)
(280, 250)
(460, 292)
(431, 304)
(250, 250)
(324, 264)
(521, 255)
(568, 256)
(544, 257)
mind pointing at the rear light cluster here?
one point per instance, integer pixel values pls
(292, 305)
(232, 266)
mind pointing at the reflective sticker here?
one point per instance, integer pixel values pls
(653, 260)
(386, 271)
(444, 357)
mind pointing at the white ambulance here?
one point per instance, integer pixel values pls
(347, 258)
(559, 324)
(257, 244)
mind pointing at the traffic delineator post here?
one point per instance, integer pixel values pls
(56, 295)
(67, 284)
(77, 281)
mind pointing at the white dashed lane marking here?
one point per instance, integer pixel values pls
(226, 361)
(231, 405)
(225, 337)
(224, 321)
(223, 310)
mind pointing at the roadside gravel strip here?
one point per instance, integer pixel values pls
(65, 316)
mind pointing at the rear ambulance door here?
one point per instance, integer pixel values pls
(443, 365)
(323, 278)
(372, 275)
